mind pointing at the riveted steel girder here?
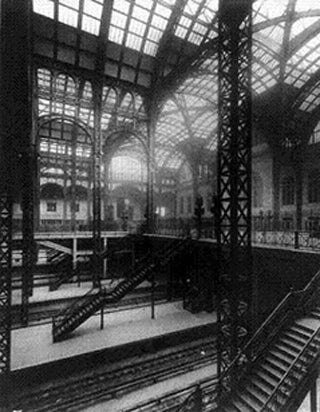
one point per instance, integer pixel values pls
(234, 185)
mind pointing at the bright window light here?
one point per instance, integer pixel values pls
(68, 16)
(150, 48)
(93, 8)
(118, 19)
(44, 7)
(121, 5)
(90, 25)
(134, 42)
(116, 35)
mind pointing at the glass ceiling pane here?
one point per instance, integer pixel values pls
(44, 7)
(193, 25)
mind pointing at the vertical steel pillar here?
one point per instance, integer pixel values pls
(150, 212)
(234, 183)
(5, 285)
(96, 198)
(18, 152)
(313, 396)
(276, 169)
(15, 148)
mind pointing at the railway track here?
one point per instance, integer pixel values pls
(109, 381)
(42, 313)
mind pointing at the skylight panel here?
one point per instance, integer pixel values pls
(133, 41)
(68, 16)
(137, 27)
(122, 5)
(116, 35)
(270, 8)
(92, 8)
(91, 18)
(194, 24)
(118, 19)
(154, 34)
(195, 38)
(163, 11)
(140, 13)
(44, 7)
(159, 22)
(302, 24)
(208, 12)
(303, 5)
(90, 25)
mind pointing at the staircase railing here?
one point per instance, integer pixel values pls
(295, 373)
(65, 313)
(292, 304)
(67, 272)
(110, 251)
(143, 269)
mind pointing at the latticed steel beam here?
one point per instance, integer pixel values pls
(96, 196)
(5, 293)
(234, 184)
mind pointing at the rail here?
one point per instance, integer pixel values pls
(292, 304)
(143, 269)
(296, 371)
(295, 239)
(67, 312)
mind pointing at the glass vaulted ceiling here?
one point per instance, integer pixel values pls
(143, 34)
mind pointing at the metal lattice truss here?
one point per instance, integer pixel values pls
(234, 186)
(167, 49)
(5, 282)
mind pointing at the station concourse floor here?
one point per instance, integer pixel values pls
(32, 346)
(65, 291)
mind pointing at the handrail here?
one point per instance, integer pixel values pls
(293, 364)
(70, 309)
(107, 252)
(63, 314)
(256, 335)
(246, 352)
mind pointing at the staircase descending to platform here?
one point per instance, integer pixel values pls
(65, 273)
(69, 319)
(281, 359)
(276, 368)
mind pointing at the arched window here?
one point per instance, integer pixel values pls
(257, 191)
(314, 186)
(288, 188)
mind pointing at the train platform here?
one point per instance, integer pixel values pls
(34, 347)
(41, 294)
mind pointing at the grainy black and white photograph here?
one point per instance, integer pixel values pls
(159, 205)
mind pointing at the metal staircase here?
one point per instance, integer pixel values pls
(275, 366)
(69, 319)
(63, 270)
(66, 272)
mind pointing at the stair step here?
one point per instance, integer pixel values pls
(301, 324)
(274, 364)
(286, 350)
(271, 372)
(292, 345)
(280, 358)
(256, 396)
(304, 334)
(315, 314)
(242, 405)
(299, 342)
(262, 383)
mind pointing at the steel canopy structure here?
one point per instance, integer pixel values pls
(102, 77)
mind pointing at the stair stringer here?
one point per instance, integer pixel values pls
(85, 307)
